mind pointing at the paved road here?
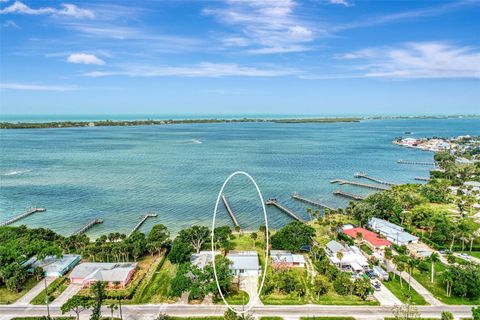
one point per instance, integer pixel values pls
(385, 296)
(35, 291)
(469, 259)
(427, 295)
(134, 312)
(71, 290)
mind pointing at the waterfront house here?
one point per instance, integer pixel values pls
(332, 247)
(392, 232)
(115, 274)
(53, 266)
(370, 238)
(284, 258)
(201, 259)
(244, 263)
(346, 258)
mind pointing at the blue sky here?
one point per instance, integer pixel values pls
(233, 56)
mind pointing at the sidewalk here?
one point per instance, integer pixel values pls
(421, 290)
(35, 291)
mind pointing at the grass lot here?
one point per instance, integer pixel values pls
(324, 231)
(8, 297)
(200, 318)
(55, 289)
(327, 318)
(156, 285)
(271, 318)
(438, 288)
(366, 249)
(239, 298)
(393, 284)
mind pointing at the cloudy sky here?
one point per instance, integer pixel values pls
(240, 56)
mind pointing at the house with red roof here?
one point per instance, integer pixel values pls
(370, 238)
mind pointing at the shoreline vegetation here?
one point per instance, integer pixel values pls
(147, 122)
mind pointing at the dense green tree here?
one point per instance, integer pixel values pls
(446, 315)
(77, 304)
(180, 251)
(196, 236)
(321, 285)
(293, 236)
(158, 238)
(362, 288)
(342, 284)
(98, 292)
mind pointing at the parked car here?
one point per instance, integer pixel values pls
(376, 285)
(371, 274)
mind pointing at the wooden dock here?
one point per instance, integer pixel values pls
(144, 218)
(422, 178)
(349, 195)
(420, 163)
(275, 203)
(87, 226)
(230, 211)
(365, 176)
(360, 184)
(317, 203)
(21, 216)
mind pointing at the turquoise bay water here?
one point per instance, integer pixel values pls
(120, 173)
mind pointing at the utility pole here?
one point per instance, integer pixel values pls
(46, 295)
(120, 308)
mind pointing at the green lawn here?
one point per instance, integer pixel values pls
(438, 288)
(55, 289)
(393, 284)
(156, 287)
(327, 318)
(366, 249)
(199, 318)
(8, 297)
(271, 318)
(475, 254)
(239, 298)
(333, 298)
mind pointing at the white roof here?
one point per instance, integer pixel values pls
(244, 260)
(286, 256)
(472, 183)
(110, 272)
(392, 231)
(202, 258)
(52, 264)
(335, 246)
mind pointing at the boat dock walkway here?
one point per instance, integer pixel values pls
(365, 176)
(349, 195)
(87, 226)
(422, 178)
(230, 211)
(275, 203)
(144, 218)
(360, 184)
(317, 203)
(420, 163)
(21, 216)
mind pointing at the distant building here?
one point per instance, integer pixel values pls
(53, 266)
(112, 273)
(287, 259)
(202, 258)
(370, 238)
(244, 263)
(392, 232)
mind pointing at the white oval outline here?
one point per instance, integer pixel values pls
(257, 296)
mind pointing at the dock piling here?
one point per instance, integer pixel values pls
(275, 203)
(22, 215)
(144, 218)
(230, 211)
(360, 184)
(365, 176)
(87, 226)
(348, 195)
(317, 203)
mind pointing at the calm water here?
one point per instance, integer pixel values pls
(120, 173)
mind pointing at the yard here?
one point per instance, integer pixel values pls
(156, 286)
(438, 288)
(240, 298)
(393, 284)
(55, 289)
(8, 297)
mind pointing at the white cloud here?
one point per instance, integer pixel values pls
(34, 87)
(341, 2)
(204, 70)
(265, 26)
(84, 58)
(69, 10)
(10, 24)
(418, 60)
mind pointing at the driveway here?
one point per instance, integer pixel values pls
(35, 291)
(249, 284)
(429, 297)
(385, 296)
(71, 290)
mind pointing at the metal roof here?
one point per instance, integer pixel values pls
(244, 260)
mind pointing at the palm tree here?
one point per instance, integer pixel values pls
(434, 258)
(388, 257)
(112, 307)
(340, 257)
(447, 276)
(411, 263)
(401, 268)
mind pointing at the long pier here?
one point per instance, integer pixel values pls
(275, 203)
(422, 178)
(365, 176)
(22, 215)
(230, 211)
(360, 184)
(87, 226)
(317, 203)
(144, 218)
(420, 163)
(349, 195)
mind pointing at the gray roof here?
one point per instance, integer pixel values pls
(286, 256)
(110, 272)
(52, 264)
(202, 258)
(335, 246)
(244, 260)
(392, 231)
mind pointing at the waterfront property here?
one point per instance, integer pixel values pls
(392, 232)
(201, 259)
(244, 263)
(53, 266)
(284, 258)
(346, 257)
(115, 274)
(369, 237)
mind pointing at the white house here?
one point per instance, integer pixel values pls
(244, 263)
(350, 258)
(202, 258)
(392, 232)
(53, 266)
(287, 259)
(112, 273)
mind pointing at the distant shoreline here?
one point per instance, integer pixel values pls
(146, 122)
